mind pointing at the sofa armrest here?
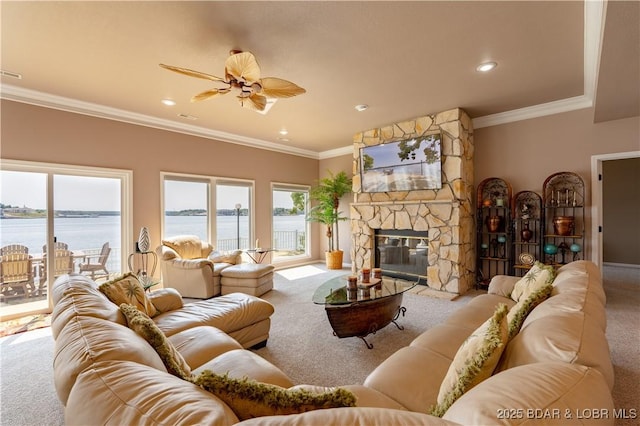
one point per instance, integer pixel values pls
(167, 253)
(502, 285)
(191, 263)
(166, 299)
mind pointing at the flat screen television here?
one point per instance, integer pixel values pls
(405, 165)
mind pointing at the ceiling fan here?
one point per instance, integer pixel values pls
(242, 74)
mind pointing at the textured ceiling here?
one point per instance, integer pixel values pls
(403, 59)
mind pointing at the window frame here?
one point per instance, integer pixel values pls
(212, 184)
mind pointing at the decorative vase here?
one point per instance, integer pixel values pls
(143, 239)
(526, 234)
(551, 249)
(493, 223)
(563, 225)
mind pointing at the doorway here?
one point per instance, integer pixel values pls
(601, 209)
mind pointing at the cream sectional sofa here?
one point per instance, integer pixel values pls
(555, 371)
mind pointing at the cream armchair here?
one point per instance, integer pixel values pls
(192, 267)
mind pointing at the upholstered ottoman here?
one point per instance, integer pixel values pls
(250, 278)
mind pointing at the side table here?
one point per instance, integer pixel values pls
(144, 258)
(258, 254)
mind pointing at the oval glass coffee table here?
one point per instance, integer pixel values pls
(364, 311)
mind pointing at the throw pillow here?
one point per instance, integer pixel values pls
(475, 360)
(127, 289)
(537, 277)
(518, 313)
(249, 398)
(229, 257)
(144, 326)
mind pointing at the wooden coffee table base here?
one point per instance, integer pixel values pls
(360, 319)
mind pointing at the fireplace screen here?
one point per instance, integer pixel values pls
(402, 253)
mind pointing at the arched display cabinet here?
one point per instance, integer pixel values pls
(564, 221)
(494, 239)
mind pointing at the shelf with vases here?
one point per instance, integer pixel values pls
(564, 218)
(494, 230)
(526, 208)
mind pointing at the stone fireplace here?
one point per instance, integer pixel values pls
(444, 214)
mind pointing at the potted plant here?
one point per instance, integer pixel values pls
(326, 196)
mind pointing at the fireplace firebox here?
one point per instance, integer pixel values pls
(402, 253)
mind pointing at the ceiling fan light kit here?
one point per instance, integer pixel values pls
(242, 75)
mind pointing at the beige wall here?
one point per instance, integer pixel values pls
(33, 133)
(621, 204)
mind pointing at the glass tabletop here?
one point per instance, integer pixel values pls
(334, 291)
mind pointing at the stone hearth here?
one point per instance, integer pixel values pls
(446, 213)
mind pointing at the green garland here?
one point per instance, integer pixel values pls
(249, 398)
(528, 305)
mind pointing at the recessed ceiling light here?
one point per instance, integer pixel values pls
(168, 102)
(283, 132)
(361, 107)
(487, 66)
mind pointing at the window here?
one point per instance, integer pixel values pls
(69, 210)
(233, 207)
(290, 228)
(186, 208)
(189, 201)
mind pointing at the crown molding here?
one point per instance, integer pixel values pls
(33, 97)
(337, 152)
(550, 108)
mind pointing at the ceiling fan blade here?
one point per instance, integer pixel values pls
(191, 73)
(273, 87)
(209, 94)
(243, 67)
(254, 102)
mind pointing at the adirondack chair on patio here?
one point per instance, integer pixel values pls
(16, 275)
(63, 264)
(96, 264)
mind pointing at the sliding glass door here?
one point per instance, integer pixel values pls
(54, 220)
(23, 232)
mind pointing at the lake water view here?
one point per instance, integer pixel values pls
(82, 233)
